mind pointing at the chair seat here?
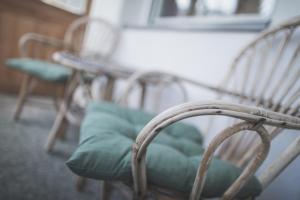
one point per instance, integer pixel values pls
(104, 152)
(41, 69)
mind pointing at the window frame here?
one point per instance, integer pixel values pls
(197, 23)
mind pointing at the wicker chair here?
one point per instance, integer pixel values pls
(260, 95)
(34, 48)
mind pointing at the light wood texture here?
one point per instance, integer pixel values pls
(73, 42)
(20, 17)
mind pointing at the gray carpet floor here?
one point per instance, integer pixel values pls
(26, 170)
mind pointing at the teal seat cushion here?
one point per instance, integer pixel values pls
(104, 152)
(41, 69)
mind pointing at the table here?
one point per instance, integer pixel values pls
(108, 68)
(80, 65)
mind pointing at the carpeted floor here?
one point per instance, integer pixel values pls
(26, 171)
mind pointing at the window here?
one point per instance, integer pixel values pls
(208, 14)
(74, 6)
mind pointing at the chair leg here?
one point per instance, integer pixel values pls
(80, 183)
(62, 130)
(57, 99)
(105, 190)
(56, 102)
(24, 91)
(55, 128)
(61, 116)
(108, 93)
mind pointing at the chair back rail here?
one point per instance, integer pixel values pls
(39, 46)
(266, 73)
(92, 37)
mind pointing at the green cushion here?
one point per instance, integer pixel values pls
(104, 152)
(41, 69)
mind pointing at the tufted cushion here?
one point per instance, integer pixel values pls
(104, 152)
(40, 69)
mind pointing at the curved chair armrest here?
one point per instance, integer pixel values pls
(254, 118)
(157, 76)
(45, 40)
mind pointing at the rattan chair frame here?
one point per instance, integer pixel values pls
(254, 112)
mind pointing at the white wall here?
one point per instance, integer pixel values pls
(203, 56)
(192, 54)
(286, 9)
(110, 10)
